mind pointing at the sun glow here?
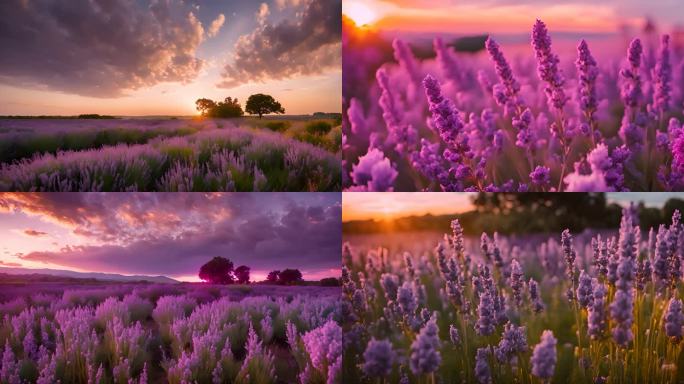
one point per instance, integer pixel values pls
(360, 13)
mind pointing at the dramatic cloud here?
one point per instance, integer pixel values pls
(309, 43)
(175, 233)
(34, 233)
(216, 25)
(98, 48)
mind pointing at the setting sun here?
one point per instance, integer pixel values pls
(360, 13)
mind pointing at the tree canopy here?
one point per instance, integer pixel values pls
(229, 107)
(261, 104)
(242, 274)
(217, 271)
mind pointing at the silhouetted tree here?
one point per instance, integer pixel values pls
(330, 282)
(290, 277)
(217, 271)
(227, 108)
(242, 274)
(204, 106)
(273, 276)
(261, 104)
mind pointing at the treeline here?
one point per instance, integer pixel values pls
(258, 104)
(221, 270)
(513, 213)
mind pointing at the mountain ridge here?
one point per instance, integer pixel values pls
(88, 275)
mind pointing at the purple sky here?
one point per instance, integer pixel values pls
(172, 234)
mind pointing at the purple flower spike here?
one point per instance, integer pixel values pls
(544, 356)
(483, 373)
(547, 67)
(584, 290)
(588, 72)
(674, 320)
(506, 92)
(446, 117)
(662, 77)
(598, 318)
(379, 358)
(425, 357)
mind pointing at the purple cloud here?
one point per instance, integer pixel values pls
(175, 233)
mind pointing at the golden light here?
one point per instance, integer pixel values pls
(360, 13)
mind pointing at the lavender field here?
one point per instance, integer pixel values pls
(168, 155)
(605, 115)
(595, 306)
(181, 333)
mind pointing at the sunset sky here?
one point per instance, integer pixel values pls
(509, 16)
(390, 205)
(140, 57)
(171, 234)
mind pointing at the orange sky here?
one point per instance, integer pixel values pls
(389, 205)
(500, 16)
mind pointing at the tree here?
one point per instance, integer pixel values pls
(205, 106)
(273, 276)
(242, 274)
(217, 271)
(261, 104)
(290, 277)
(229, 107)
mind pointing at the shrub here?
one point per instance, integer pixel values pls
(318, 127)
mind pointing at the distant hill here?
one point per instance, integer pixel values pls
(88, 275)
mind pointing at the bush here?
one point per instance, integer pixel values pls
(318, 127)
(278, 126)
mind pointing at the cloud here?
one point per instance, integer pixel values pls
(98, 48)
(9, 264)
(307, 44)
(34, 233)
(176, 233)
(216, 25)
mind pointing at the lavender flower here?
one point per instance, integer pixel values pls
(621, 312)
(454, 336)
(378, 358)
(584, 290)
(674, 320)
(588, 72)
(569, 254)
(513, 341)
(507, 91)
(390, 284)
(548, 66)
(404, 136)
(458, 243)
(516, 281)
(406, 299)
(544, 356)
(486, 320)
(597, 317)
(482, 372)
(374, 172)
(535, 297)
(406, 59)
(425, 357)
(541, 176)
(662, 76)
(447, 119)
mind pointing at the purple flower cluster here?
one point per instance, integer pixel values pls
(544, 356)
(425, 356)
(548, 66)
